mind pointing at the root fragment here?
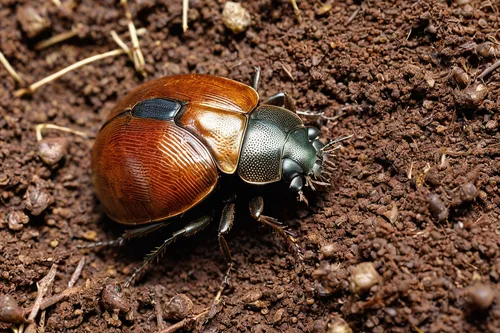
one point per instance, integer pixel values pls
(59, 38)
(33, 87)
(11, 70)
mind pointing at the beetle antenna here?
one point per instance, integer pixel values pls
(331, 143)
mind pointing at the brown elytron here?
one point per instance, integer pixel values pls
(215, 110)
(148, 170)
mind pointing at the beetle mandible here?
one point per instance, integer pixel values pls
(164, 146)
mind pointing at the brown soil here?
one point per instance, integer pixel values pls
(385, 65)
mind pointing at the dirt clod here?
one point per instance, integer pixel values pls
(480, 296)
(37, 198)
(363, 277)
(235, 17)
(31, 20)
(328, 251)
(338, 325)
(10, 312)
(16, 220)
(472, 96)
(113, 299)
(179, 307)
(438, 209)
(466, 193)
(52, 150)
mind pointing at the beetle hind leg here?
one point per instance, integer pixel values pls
(256, 207)
(226, 223)
(189, 230)
(129, 234)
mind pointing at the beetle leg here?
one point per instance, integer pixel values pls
(129, 234)
(189, 230)
(256, 207)
(226, 223)
(256, 79)
(281, 99)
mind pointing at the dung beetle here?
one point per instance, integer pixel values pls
(164, 146)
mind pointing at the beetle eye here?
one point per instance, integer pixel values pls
(296, 184)
(313, 133)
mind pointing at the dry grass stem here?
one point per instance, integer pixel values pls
(76, 274)
(353, 16)
(49, 301)
(42, 127)
(136, 49)
(296, 10)
(185, 10)
(33, 87)
(58, 38)
(121, 44)
(11, 70)
(288, 72)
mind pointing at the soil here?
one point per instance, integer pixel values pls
(415, 192)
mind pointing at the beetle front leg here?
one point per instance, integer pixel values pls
(256, 207)
(226, 223)
(281, 99)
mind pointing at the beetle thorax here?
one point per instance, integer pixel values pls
(277, 146)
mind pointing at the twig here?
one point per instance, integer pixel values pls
(58, 38)
(43, 285)
(184, 322)
(11, 70)
(353, 16)
(41, 128)
(136, 49)
(32, 88)
(76, 274)
(489, 70)
(185, 10)
(287, 71)
(49, 301)
(159, 312)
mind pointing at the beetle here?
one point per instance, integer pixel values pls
(165, 145)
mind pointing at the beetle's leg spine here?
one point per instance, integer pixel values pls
(187, 231)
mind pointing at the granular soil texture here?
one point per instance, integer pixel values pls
(405, 240)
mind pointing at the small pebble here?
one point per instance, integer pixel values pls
(179, 307)
(235, 17)
(338, 325)
(363, 277)
(112, 298)
(328, 251)
(31, 21)
(487, 50)
(472, 96)
(319, 326)
(10, 312)
(460, 77)
(52, 150)
(90, 235)
(437, 208)
(480, 296)
(37, 198)
(54, 243)
(468, 192)
(16, 220)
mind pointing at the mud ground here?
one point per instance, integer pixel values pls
(419, 127)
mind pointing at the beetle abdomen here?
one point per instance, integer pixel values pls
(149, 170)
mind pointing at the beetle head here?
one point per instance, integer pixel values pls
(303, 160)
